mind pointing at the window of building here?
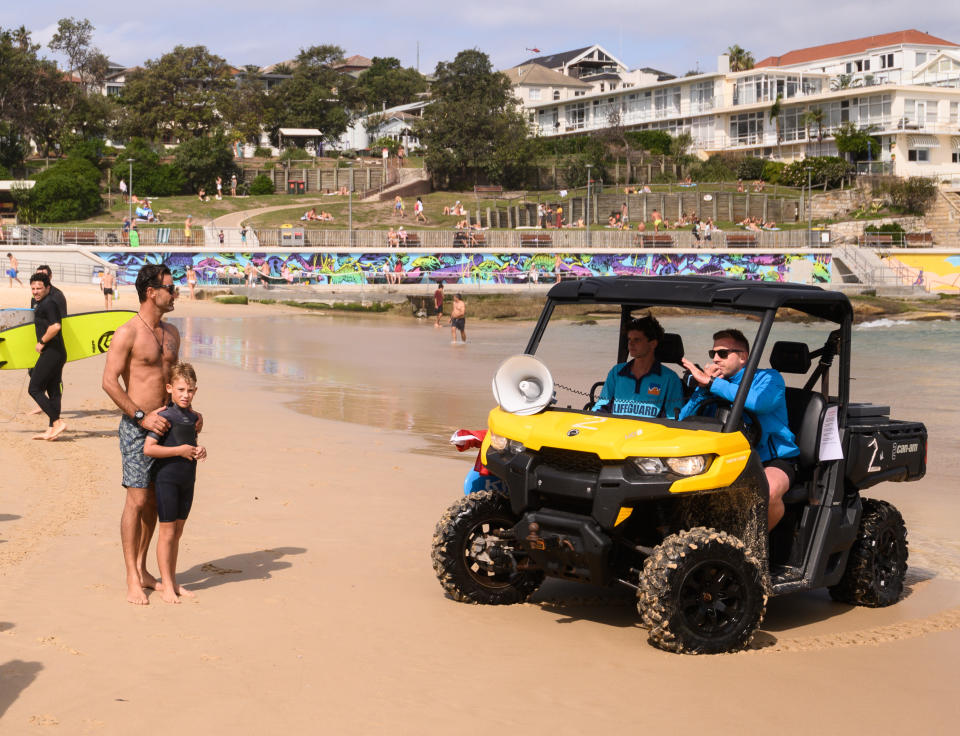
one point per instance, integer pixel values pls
(922, 57)
(701, 96)
(746, 128)
(534, 93)
(576, 116)
(556, 94)
(955, 113)
(886, 61)
(956, 157)
(920, 155)
(666, 101)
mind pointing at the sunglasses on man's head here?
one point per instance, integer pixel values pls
(724, 353)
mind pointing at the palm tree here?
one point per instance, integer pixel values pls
(775, 110)
(740, 59)
(815, 116)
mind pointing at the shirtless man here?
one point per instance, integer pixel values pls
(107, 283)
(141, 353)
(458, 319)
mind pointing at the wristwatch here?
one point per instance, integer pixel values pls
(138, 416)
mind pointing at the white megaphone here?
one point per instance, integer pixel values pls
(522, 385)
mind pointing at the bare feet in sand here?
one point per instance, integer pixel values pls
(174, 596)
(148, 581)
(57, 429)
(135, 593)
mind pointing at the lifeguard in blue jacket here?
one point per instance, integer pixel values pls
(777, 448)
(642, 387)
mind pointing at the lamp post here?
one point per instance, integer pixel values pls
(130, 192)
(809, 207)
(586, 214)
(350, 205)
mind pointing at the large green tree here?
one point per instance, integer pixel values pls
(32, 90)
(315, 96)
(177, 95)
(245, 108)
(473, 129)
(387, 84)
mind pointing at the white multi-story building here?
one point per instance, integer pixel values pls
(903, 87)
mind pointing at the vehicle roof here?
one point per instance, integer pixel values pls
(706, 292)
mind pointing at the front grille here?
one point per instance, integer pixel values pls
(570, 461)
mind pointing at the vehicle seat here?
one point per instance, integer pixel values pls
(805, 412)
(670, 348)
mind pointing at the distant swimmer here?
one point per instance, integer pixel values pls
(47, 374)
(142, 352)
(176, 454)
(458, 319)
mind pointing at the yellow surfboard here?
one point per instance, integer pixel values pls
(84, 336)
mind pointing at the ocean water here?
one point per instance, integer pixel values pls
(404, 374)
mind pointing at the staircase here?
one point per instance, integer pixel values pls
(943, 218)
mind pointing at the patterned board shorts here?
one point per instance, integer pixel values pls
(136, 465)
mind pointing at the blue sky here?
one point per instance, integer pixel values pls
(674, 38)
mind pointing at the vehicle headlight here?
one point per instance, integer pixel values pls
(497, 442)
(648, 465)
(690, 465)
(500, 443)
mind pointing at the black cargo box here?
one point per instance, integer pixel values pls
(883, 449)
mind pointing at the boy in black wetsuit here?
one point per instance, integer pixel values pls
(48, 372)
(175, 471)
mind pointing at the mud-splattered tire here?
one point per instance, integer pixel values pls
(466, 560)
(877, 563)
(701, 592)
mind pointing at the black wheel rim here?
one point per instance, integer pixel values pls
(712, 599)
(886, 560)
(483, 561)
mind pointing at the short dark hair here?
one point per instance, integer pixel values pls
(150, 275)
(41, 277)
(648, 325)
(44, 268)
(735, 335)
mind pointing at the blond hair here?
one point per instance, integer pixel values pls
(183, 370)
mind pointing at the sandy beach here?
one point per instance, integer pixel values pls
(318, 611)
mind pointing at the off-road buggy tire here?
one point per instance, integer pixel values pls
(877, 563)
(701, 592)
(461, 574)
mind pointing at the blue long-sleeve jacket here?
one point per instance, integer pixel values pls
(766, 399)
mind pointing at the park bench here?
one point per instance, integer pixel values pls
(80, 237)
(741, 240)
(488, 189)
(655, 240)
(536, 240)
(412, 241)
(877, 239)
(923, 238)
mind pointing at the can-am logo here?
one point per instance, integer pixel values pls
(903, 449)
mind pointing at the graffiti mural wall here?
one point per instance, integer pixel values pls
(466, 267)
(933, 271)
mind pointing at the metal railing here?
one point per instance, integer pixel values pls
(295, 237)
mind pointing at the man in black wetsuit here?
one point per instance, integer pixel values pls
(48, 372)
(61, 302)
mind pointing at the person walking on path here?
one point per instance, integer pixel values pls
(47, 374)
(123, 189)
(438, 302)
(13, 270)
(458, 319)
(141, 354)
(418, 211)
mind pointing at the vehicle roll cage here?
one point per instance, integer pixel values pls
(762, 299)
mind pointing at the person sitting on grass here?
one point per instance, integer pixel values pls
(176, 453)
(325, 216)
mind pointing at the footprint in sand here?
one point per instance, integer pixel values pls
(44, 720)
(218, 570)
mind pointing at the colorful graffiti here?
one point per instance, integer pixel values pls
(933, 271)
(476, 268)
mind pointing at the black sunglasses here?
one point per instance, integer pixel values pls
(724, 353)
(170, 288)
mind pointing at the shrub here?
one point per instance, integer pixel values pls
(913, 195)
(827, 170)
(750, 168)
(91, 150)
(262, 152)
(150, 177)
(772, 171)
(295, 154)
(654, 141)
(261, 185)
(68, 190)
(232, 299)
(202, 160)
(716, 168)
